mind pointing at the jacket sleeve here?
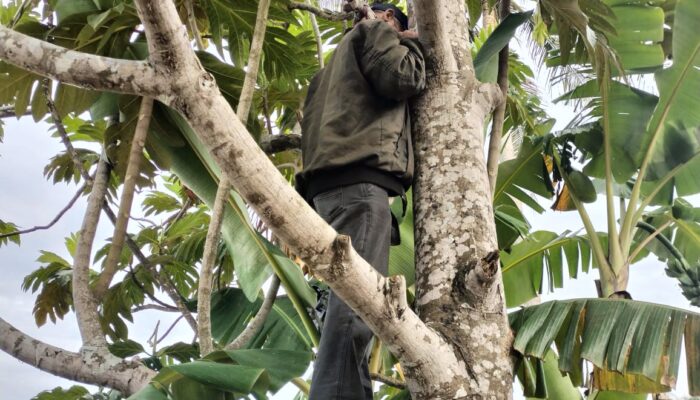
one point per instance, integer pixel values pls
(394, 66)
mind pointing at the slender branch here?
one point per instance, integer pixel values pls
(317, 35)
(169, 288)
(58, 123)
(60, 214)
(134, 279)
(499, 115)
(647, 240)
(82, 69)
(133, 170)
(170, 329)
(84, 302)
(156, 307)
(251, 76)
(214, 231)
(321, 13)
(192, 23)
(125, 376)
(279, 143)
(388, 380)
(257, 323)
(206, 345)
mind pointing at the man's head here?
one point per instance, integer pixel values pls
(391, 15)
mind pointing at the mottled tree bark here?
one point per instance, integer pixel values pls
(458, 288)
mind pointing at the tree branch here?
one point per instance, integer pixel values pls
(125, 376)
(133, 170)
(153, 307)
(206, 345)
(60, 214)
(494, 151)
(321, 13)
(257, 323)
(278, 143)
(82, 69)
(388, 380)
(84, 302)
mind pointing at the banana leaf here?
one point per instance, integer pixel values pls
(634, 346)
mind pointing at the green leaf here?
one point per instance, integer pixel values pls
(149, 392)
(401, 257)
(233, 378)
(524, 265)
(528, 172)
(282, 330)
(281, 365)
(486, 60)
(74, 393)
(126, 348)
(634, 346)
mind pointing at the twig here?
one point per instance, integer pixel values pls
(257, 323)
(132, 274)
(58, 123)
(156, 307)
(322, 13)
(65, 209)
(169, 329)
(133, 170)
(387, 380)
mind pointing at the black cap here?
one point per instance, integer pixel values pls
(398, 14)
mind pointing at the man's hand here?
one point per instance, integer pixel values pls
(409, 34)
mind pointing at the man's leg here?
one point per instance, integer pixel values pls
(360, 211)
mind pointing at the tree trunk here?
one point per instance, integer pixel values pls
(458, 287)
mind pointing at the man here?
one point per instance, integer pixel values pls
(357, 151)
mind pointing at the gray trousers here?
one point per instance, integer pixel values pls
(360, 211)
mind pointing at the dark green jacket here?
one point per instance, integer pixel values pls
(356, 125)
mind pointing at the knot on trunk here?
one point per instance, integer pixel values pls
(474, 281)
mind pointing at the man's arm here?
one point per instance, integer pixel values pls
(393, 64)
